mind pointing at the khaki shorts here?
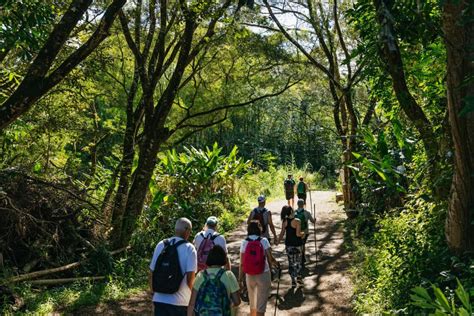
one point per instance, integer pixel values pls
(259, 287)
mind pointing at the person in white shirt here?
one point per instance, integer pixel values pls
(176, 304)
(258, 283)
(210, 230)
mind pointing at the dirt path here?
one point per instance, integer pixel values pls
(327, 289)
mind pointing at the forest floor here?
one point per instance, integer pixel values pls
(327, 288)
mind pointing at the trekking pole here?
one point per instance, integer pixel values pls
(278, 288)
(315, 240)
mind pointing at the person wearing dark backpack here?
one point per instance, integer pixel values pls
(291, 227)
(289, 185)
(264, 217)
(204, 241)
(173, 269)
(215, 290)
(302, 190)
(255, 261)
(305, 217)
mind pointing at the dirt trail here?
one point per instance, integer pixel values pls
(327, 289)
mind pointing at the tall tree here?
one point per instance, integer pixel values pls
(49, 68)
(337, 64)
(458, 24)
(169, 52)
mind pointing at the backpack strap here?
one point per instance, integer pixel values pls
(219, 274)
(179, 243)
(214, 236)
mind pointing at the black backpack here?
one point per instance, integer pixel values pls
(167, 275)
(259, 215)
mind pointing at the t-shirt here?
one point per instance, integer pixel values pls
(266, 214)
(265, 243)
(188, 262)
(219, 240)
(309, 218)
(289, 188)
(228, 279)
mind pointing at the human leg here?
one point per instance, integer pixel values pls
(250, 280)
(264, 284)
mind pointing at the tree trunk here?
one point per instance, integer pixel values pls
(139, 188)
(392, 55)
(121, 196)
(459, 35)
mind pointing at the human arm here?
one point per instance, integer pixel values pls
(310, 217)
(272, 227)
(190, 276)
(235, 298)
(192, 302)
(150, 281)
(250, 218)
(282, 232)
(270, 259)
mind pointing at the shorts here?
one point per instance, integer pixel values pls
(259, 287)
(302, 196)
(163, 309)
(289, 195)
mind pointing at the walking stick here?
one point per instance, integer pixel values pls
(315, 240)
(278, 289)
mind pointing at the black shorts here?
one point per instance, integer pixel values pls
(289, 195)
(162, 309)
(302, 196)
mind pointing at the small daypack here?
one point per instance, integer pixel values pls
(205, 247)
(259, 215)
(167, 275)
(212, 298)
(301, 188)
(289, 185)
(302, 217)
(253, 259)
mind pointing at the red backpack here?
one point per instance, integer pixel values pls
(204, 248)
(253, 259)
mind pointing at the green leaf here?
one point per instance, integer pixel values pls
(441, 300)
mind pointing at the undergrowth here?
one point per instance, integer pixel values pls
(195, 184)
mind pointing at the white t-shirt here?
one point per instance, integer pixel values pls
(219, 240)
(263, 241)
(188, 262)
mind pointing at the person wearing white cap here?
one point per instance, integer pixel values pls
(205, 240)
(264, 217)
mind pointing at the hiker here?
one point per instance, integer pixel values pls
(304, 216)
(264, 216)
(255, 262)
(291, 227)
(204, 241)
(173, 269)
(215, 290)
(301, 190)
(289, 186)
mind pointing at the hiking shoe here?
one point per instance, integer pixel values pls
(293, 283)
(300, 280)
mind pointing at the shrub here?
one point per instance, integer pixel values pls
(400, 255)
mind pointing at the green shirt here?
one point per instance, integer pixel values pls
(228, 279)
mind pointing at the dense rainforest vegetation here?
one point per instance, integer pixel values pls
(118, 117)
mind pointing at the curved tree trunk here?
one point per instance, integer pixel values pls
(459, 34)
